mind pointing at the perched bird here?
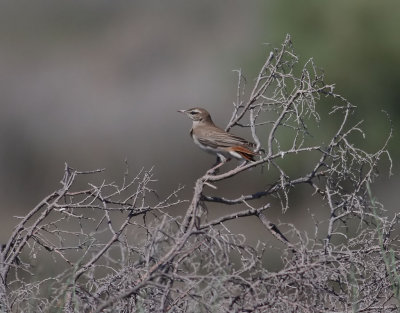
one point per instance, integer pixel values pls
(213, 139)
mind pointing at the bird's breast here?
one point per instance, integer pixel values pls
(198, 143)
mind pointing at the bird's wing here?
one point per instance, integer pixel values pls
(216, 137)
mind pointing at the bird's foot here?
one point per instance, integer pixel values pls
(221, 160)
(215, 169)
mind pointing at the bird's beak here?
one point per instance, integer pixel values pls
(182, 111)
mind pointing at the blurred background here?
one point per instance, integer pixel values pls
(91, 83)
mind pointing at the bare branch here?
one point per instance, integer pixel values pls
(121, 248)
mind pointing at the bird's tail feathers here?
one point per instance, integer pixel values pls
(247, 154)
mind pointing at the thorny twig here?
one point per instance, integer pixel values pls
(122, 249)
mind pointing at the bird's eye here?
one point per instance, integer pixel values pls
(193, 112)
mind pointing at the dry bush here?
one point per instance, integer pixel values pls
(119, 248)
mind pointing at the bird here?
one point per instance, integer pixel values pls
(213, 139)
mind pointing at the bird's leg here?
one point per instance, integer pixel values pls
(221, 160)
(218, 161)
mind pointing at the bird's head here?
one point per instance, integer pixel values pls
(197, 114)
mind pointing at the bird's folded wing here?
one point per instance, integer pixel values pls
(220, 138)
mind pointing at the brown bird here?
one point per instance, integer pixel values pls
(213, 139)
